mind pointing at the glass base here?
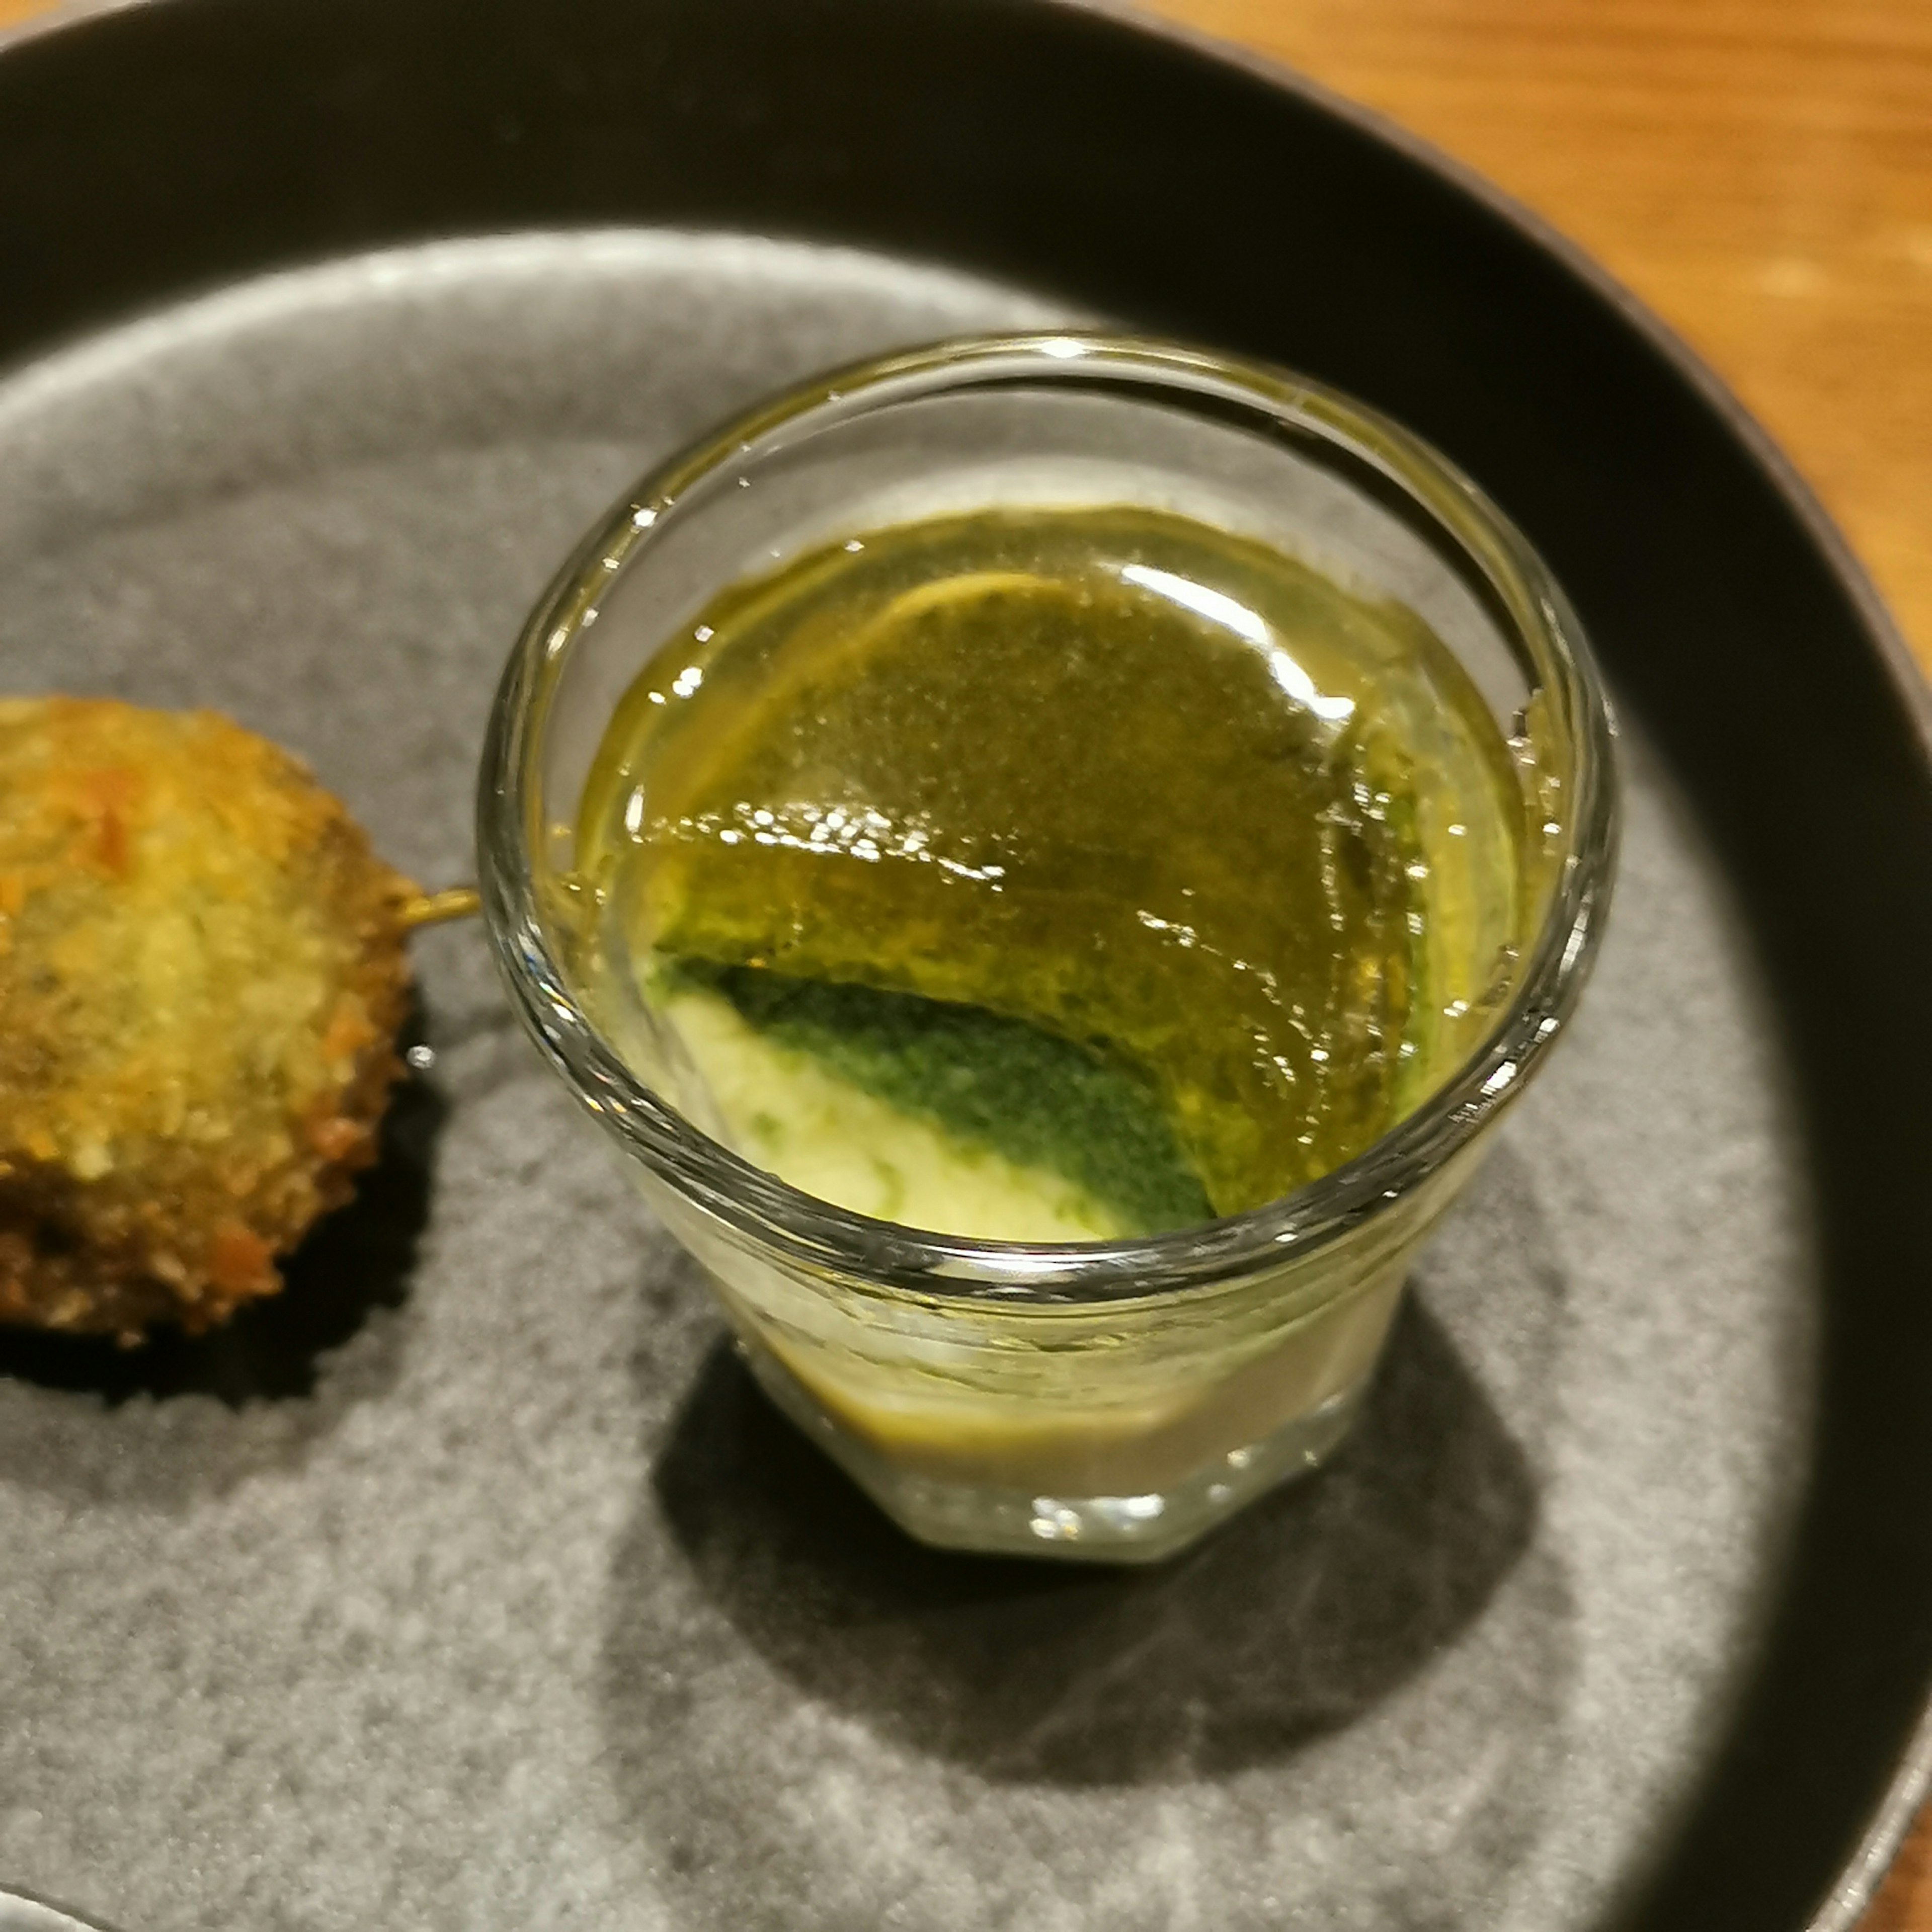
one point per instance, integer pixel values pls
(1094, 1529)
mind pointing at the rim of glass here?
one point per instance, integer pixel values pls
(817, 1235)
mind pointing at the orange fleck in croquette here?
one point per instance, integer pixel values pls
(202, 974)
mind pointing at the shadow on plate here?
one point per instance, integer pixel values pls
(1291, 1622)
(354, 1262)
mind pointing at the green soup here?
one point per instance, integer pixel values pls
(1051, 874)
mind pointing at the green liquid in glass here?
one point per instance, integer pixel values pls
(1099, 843)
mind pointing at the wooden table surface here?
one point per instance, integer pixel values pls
(1759, 172)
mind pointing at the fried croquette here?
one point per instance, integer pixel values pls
(202, 974)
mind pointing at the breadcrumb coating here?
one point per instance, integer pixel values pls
(202, 974)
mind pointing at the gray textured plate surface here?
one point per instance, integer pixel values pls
(500, 1600)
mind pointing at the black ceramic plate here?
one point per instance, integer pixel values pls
(468, 1585)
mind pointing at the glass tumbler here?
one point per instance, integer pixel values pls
(1111, 1400)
